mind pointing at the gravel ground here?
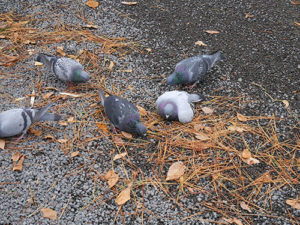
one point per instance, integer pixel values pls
(262, 64)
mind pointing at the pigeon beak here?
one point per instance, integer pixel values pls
(167, 116)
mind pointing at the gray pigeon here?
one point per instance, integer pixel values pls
(66, 69)
(123, 114)
(177, 105)
(17, 121)
(192, 70)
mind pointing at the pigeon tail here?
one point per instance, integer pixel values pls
(196, 98)
(40, 113)
(102, 96)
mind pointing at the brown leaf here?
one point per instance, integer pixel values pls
(295, 203)
(90, 26)
(295, 2)
(127, 135)
(297, 24)
(212, 31)
(148, 49)
(62, 141)
(207, 110)
(112, 178)
(265, 178)
(286, 103)
(248, 15)
(49, 136)
(92, 4)
(16, 156)
(246, 154)
(73, 154)
(202, 136)
(2, 144)
(49, 213)
(19, 165)
(102, 127)
(47, 95)
(176, 170)
(200, 43)
(35, 132)
(235, 128)
(60, 50)
(142, 111)
(71, 119)
(246, 157)
(63, 123)
(119, 156)
(118, 140)
(111, 65)
(129, 3)
(245, 206)
(241, 117)
(124, 196)
(198, 127)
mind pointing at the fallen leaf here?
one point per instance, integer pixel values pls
(148, 49)
(16, 156)
(235, 128)
(2, 144)
(90, 26)
(246, 154)
(119, 156)
(49, 136)
(286, 103)
(62, 141)
(32, 98)
(295, 2)
(202, 136)
(63, 123)
(142, 111)
(70, 94)
(176, 170)
(71, 119)
(60, 50)
(47, 95)
(38, 64)
(111, 65)
(124, 196)
(35, 132)
(129, 3)
(102, 126)
(19, 165)
(92, 4)
(112, 178)
(200, 43)
(127, 135)
(241, 117)
(49, 213)
(2, 37)
(198, 127)
(125, 71)
(212, 31)
(207, 110)
(246, 157)
(73, 154)
(297, 24)
(295, 203)
(248, 15)
(237, 221)
(118, 140)
(265, 178)
(245, 206)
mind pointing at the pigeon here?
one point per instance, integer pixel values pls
(177, 105)
(17, 121)
(66, 69)
(124, 115)
(192, 70)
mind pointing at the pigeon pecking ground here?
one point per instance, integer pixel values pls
(260, 74)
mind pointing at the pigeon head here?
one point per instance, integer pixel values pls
(176, 78)
(80, 76)
(140, 129)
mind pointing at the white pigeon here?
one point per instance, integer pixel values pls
(17, 121)
(177, 105)
(66, 69)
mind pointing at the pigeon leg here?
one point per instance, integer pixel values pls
(19, 138)
(192, 86)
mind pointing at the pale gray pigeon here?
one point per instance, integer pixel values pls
(124, 115)
(177, 105)
(192, 70)
(17, 121)
(66, 69)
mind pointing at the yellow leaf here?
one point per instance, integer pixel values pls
(32, 98)
(49, 213)
(119, 156)
(129, 3)
(70, 94)
(241, 117)
(38, 64)
(200, 43)
(19, 165)
(127, 135)
(176, 170)
(92, 4)
(2, 144)
(63, 123)
(60, 50)
(102, 126)
(246, 154)
(148, 49)
(295, 203)
(212, 31)
(112, 178)
(245, 206)
(142, 111)
(124, 196)
(73, 154)
(90, 26)
(286, 103)
(47, 95)
(297, 24)
(111, 65)
(207, 110)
